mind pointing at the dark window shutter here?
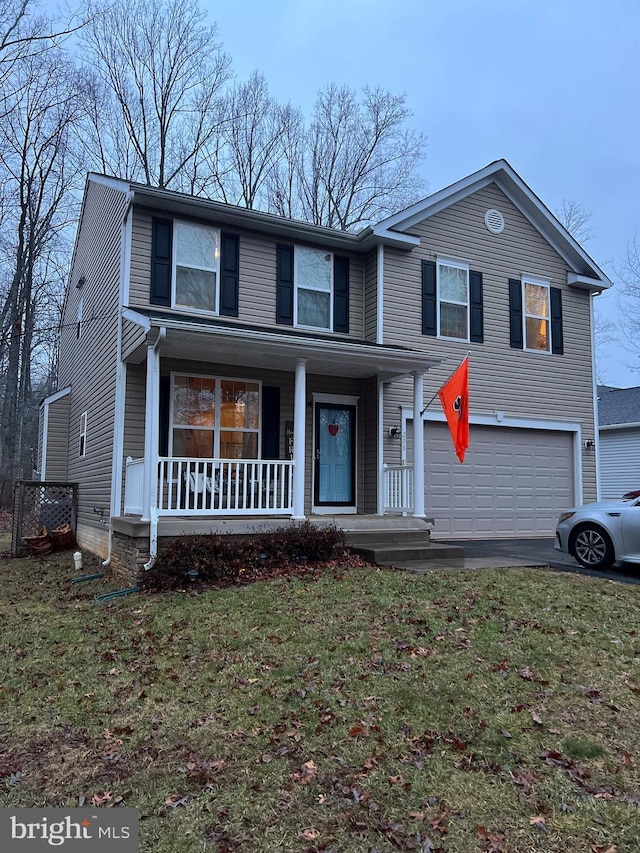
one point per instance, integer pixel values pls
(270, 422)
(515, 313)
(429, 319)
(229, 275)
(557, 342)
(163, 415)
(340, 294)
(284, 294)
(477, 318)
(161, 240)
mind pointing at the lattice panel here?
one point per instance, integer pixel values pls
(38, 505)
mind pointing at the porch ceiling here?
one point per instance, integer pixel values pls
(260, 347)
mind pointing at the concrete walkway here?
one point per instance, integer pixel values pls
(506, 553)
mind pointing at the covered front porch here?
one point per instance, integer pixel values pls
(309, 449)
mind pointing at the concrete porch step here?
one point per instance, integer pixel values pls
(397, 547)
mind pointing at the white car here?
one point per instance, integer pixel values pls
(600, 534)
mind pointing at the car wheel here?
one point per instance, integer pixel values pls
(592, 547)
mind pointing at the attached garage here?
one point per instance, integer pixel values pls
(513, 482)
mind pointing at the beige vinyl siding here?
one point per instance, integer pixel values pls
(257, 289)
(133, 336)
(371, 296)
(519, 383)
(369, 410)
(57, 439)
(88, 364)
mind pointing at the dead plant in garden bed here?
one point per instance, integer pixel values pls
(220, 561)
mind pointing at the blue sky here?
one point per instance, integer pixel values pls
(550, 85)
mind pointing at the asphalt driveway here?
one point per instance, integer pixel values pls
(479, 553)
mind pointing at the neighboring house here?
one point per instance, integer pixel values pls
(218, 363)
(619, 429)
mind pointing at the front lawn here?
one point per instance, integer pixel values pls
(350, 710)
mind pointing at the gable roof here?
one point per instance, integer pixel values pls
(392, 231)
(584, 271)
(618, 406)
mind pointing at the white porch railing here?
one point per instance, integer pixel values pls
(398, 488)
(188, 486)
(134, 486)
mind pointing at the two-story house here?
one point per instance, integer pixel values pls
(220, 364)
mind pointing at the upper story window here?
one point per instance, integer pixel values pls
(453, 300)
(537, 314)
(82, 448)
(314, 288)
(214, 417)
(194, 267)
(196, 252)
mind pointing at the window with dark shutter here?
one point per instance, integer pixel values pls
(161, 241)
(340, 294)
(515, 314)
(229, 275)
(477, 318)
(557, 338)
(284, 287)
(429, 302)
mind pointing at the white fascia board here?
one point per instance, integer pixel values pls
(586, 283)
(138, 319)
(407, 361)
(607, 427)
(506, 421)
(118, 184)
(58, 395)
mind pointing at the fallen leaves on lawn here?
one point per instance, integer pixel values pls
(307, 773)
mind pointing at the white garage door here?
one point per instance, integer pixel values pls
(512, 481)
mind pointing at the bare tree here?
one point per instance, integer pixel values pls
(360, 161)
(254, 140)
(576, 219)
(38, 171)
(164, 70)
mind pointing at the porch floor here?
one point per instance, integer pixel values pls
(131, 525)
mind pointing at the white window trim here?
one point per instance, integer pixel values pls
(83, 435)
(216, 428)
(215, 269)
(460, 265)
(297, 288)
(541, 282)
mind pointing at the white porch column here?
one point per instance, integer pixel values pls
(151, 428)
(299, 416)
(418, 445)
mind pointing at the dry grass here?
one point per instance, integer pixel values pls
(348, 710)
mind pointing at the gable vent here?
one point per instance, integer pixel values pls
(494, 221)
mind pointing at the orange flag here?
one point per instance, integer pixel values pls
(454, 396)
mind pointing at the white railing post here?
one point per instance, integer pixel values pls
(418, 445)
(299, 414)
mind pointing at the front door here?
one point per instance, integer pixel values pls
(335, 455)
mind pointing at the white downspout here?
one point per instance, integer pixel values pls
(151, 448)
(596, 416)
(418, 445)
(299, 450)
(380, 296)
